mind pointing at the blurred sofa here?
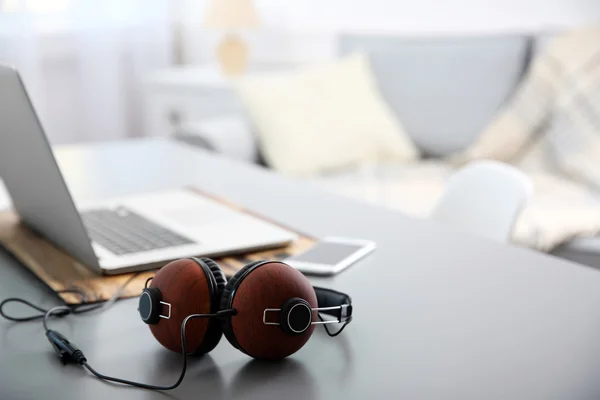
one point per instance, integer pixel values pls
(444, 91)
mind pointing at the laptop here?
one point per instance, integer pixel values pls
(121, 235)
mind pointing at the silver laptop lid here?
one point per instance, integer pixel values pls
(32, 176)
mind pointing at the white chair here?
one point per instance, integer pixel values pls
(484, 198)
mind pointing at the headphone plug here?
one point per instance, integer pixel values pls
(67, 351)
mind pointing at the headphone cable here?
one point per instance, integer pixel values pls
(64, 310)
(144, 385)
(333, 334)
(68, 352)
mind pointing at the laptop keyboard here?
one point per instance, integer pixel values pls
(124, 232)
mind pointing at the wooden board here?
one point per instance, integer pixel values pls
(61, 272)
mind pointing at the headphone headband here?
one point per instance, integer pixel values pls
(330, 302)
(334, 303)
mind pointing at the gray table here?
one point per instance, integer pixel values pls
(438, 315)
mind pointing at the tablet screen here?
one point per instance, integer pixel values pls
(327, 253)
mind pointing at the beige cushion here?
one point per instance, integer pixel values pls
(324, 117)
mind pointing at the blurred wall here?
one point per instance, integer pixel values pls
(305, 30)
(82, 61)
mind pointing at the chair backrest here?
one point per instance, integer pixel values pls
(484, 198)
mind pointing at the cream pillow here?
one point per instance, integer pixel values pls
(323, 118)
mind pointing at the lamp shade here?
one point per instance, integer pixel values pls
(231, 14)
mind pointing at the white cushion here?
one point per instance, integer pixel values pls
(323, 118)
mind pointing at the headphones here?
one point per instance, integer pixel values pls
(267, 310)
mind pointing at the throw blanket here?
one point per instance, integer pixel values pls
(550, 130)
(552, 125)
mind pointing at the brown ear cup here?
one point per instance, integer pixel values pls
(191, 287)
(256, 287)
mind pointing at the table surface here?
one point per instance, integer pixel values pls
(438, 315)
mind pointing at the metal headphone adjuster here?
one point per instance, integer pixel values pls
(343, 315)
(168, 316)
